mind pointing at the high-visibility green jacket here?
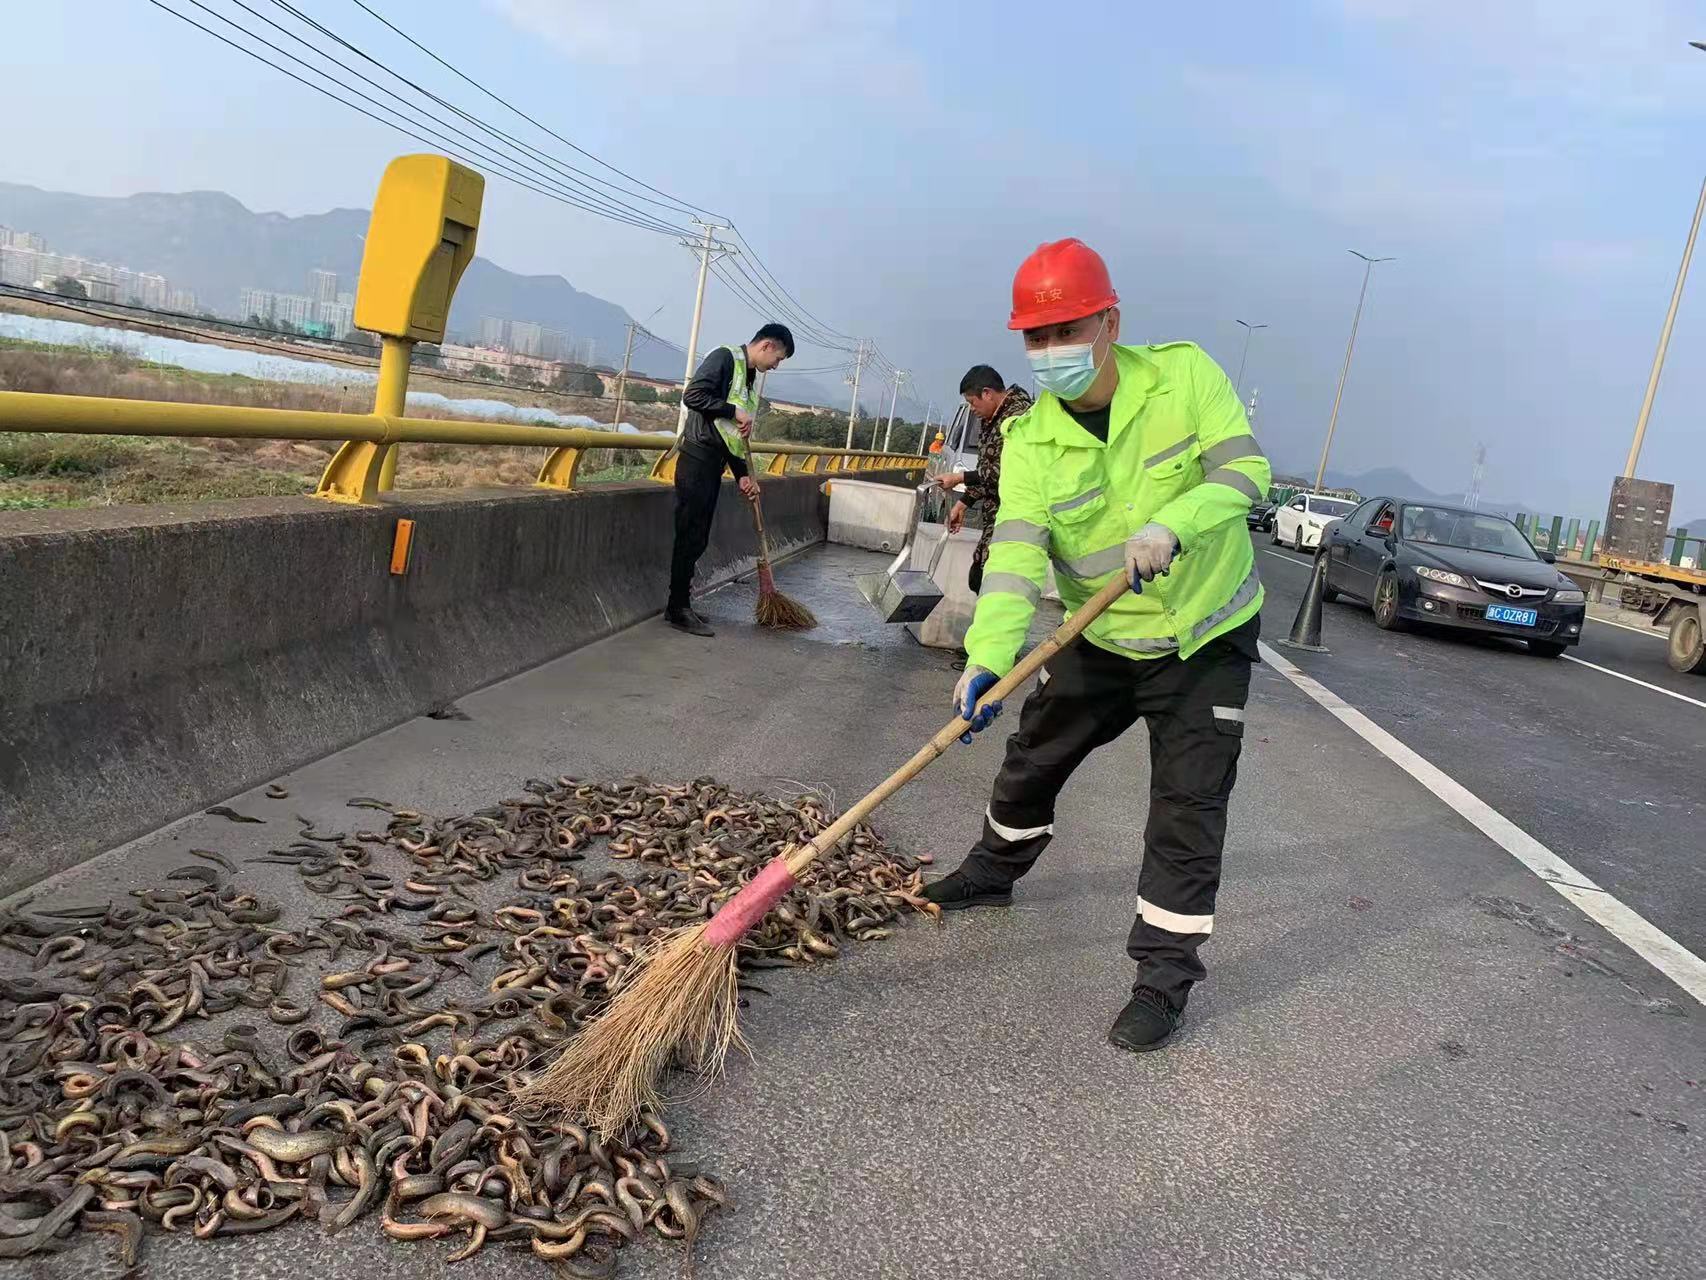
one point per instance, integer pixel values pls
(1179, 453)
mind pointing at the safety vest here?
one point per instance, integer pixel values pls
(743, 396)
(1179, 453)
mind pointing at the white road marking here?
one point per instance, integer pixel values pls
(1645, 939)
(1280, 555)
(1649, 632)
(1669, 693)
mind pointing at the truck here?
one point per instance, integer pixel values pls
(1676, 597)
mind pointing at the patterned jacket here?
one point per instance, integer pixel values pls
(983, 486)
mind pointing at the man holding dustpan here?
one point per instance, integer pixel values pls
(1135, 460)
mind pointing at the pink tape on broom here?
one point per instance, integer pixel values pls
(749, 906)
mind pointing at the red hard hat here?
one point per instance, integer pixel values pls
(1059, 283)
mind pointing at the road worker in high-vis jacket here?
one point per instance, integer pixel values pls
(720, 403)
(1135, 460)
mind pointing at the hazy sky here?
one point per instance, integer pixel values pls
(1532, 164)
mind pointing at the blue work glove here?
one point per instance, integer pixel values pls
(973, 685)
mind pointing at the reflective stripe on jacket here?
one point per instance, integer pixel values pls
(743, 395)
(1179, 453)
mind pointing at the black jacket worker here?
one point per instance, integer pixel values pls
(721, 402)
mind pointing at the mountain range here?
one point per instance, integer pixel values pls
(210, 242)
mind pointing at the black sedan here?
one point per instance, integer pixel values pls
(1260, 516)
(1421, 562)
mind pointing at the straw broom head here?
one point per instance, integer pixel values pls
(681, 1009)
(783, 613)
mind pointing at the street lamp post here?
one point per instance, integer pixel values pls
(1350, 348)
(1664, 333)
(1249, 332)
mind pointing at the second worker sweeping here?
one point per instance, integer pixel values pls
(1135, 460)
(719, 406)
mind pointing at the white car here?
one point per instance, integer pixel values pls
(1300, 522)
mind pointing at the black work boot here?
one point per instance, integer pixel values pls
(1147, 1022)
(953, 892)
(688, 621)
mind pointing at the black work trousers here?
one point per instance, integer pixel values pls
(698, 481)
(1195, 712)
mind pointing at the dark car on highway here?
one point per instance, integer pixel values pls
(1260, 516)
(1451, 567)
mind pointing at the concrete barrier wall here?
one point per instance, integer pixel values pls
(154, 660)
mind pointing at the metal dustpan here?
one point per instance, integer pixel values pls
(900, 594)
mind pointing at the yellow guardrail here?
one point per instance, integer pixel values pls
(361, 468)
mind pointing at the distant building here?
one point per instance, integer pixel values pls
(494, 332)
(526, 339)
(255, 304)
(347, 299)
(18, 266)
(26, 240)
(293, 309)
(184, 301)
(337, 318)
(323, 286)
(99, 290)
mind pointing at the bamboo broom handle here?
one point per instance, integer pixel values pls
(1027, 667)
(763, 538)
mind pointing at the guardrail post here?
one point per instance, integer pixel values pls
(1681, 536)
(1592, 540)
(778, 465)
(362, 469)
(663, 470)
(1570, 535)
(1556, 534)
(560, 467)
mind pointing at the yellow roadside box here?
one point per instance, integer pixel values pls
(419, 242)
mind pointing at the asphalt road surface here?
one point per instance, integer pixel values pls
(1608, 773)
(1411, 1057)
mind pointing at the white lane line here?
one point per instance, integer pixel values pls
(1624, 626)
(1280, 555)
(1645, 939)
(1669, 693)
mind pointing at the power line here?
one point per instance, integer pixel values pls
(536, 124)
(516, 171)
(510, 157)
(572, 174)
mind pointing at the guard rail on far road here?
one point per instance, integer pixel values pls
(365, 464)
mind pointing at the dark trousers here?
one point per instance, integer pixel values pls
(1195, 713)
(698, 481)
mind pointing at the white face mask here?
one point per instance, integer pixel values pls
(1067, 370)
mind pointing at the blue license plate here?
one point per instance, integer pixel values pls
(1516, 617)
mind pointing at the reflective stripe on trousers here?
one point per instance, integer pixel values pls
(1091, 698)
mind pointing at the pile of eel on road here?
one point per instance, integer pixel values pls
(186, 1060)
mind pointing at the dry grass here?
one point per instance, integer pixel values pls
(680, 1011)
(39, 470)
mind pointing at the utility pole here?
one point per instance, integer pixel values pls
(893, 396)
(924, 432)
(622, 378)
(1249, 332)
(1350, 347)
(853, 410)
(1664, 335)
(705, 250)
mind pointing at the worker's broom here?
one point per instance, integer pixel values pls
(681, 1008)
(775, 610)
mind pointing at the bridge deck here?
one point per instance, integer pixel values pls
(1388, 1073)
